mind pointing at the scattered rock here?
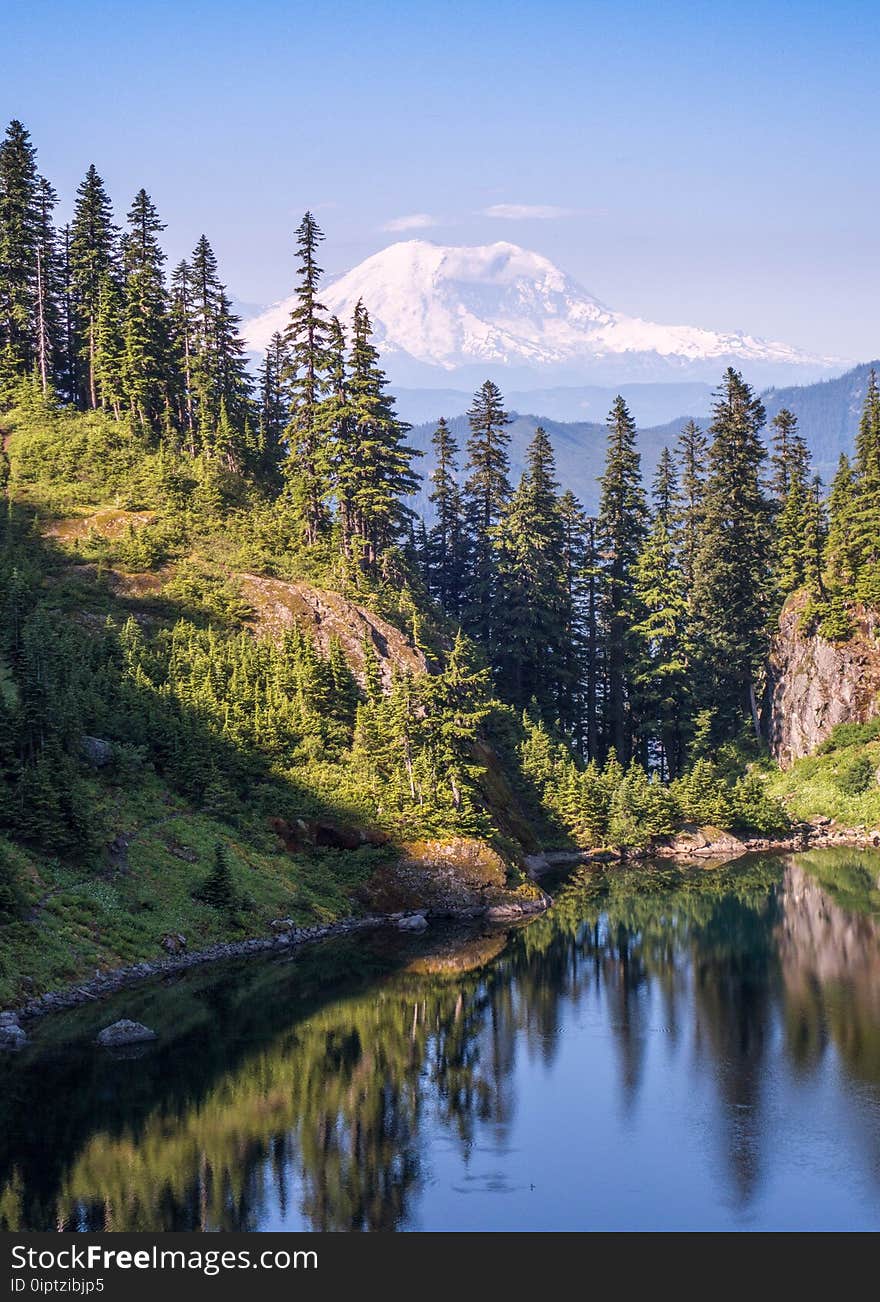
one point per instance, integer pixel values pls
(173, 942)
(125, 1032)
(9, 1018)
(96, 751)
(303, 833)
(504, 912)
(412, 922)
(183, 852)
(12, 1037)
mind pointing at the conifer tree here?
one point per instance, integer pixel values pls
(578, 668)
(19, 242)
(691, 453)
(93, 257)
(273, 407)
(147, 327)
(110, 346)
(865, 514)
(447, 557)
(48, 342)
(374, 470)
(531, 619)
(307, 339)
(731, 590)
(183, 344)
(660, 680)
(789, 456)
(486, 492)
(842, 552)
(621, 529)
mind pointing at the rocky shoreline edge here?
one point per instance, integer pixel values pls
(286, 936)
(711, 843)
(690, 842)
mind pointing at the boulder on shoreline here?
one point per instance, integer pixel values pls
(12, 1037)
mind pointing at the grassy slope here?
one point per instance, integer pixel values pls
(104, 555)
(115, 910)
(816, 785)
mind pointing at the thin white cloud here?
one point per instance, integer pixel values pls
(415, 221)
(513, 212)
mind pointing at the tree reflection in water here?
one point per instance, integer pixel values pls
(313, 1086)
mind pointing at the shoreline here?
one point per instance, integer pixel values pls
(117, 979)
(691, 844)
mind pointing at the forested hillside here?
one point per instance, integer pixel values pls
(564, 678)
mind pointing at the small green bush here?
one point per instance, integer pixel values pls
(854, 778)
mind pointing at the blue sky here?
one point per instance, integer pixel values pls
(709, 164)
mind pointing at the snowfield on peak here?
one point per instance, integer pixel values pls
(449, 309)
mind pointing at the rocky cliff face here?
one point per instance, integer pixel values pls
(817, 684)
(328, 616)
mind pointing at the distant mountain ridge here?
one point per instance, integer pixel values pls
(828, 415)
(446, 313)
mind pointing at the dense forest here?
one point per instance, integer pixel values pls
(613, 665)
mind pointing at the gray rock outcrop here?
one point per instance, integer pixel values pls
(817, 684)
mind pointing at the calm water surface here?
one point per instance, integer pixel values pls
(666, 1049)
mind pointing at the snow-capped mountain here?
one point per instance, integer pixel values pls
(448, 311)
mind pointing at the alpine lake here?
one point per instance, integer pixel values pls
(667, 1048)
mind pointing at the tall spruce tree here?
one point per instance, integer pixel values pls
(307, 337)
(578, 670)
(147, 376)
(532, 608)
(660, 678)
(274, 408)
(621, 528)
(732, 595)
(19, 245)
(842, 552)
(788, 456)
(447, 558)
(374, 471)
(691, 455)
(183, 346)
(865, 514)
(93, 256)
(48, 340)
(486, 493)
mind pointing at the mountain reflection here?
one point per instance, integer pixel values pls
(314, 1092)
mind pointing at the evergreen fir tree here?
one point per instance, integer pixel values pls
(620, 529)
(486, 493)
(660, 680)
(93, 257)
(865, 513)
(447, 557)
(307, 338)
(147, 326)
(578, 668)
(691, 453)
(48, 342)
(374, 469)
(732, 594)
(19, 242)
(842, 551)
(532, 609)
(788, 457)
(273, 407)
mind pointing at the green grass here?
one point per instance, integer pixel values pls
(820, 784)
(109, 912)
